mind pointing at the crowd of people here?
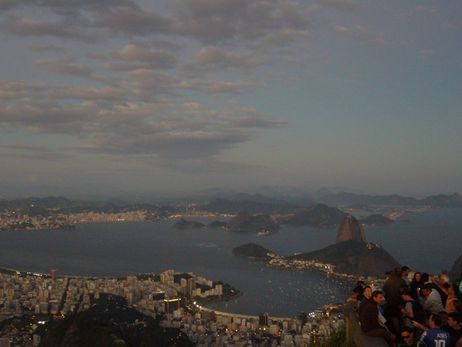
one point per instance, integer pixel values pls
(412, 309)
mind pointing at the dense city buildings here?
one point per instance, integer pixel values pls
(29, 300)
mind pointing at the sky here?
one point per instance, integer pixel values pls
(127, 97)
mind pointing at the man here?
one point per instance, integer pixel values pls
(405, 270)
(369, 318)
(431, 301)
(412, 310)
(407, 337)
(435, 336)
(454, 327)
(392, 289)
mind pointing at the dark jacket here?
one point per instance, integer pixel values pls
(369, 315)
(392, 290)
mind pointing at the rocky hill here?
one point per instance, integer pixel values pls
(354, 257)
(319, 215)
(246, 222)
(377, 220)
(186, 224)
(350, 229)
(252, 250)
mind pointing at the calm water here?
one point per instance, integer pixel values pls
(429, 242)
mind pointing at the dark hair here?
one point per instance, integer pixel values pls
(376, 293)
(425, 277)
(414, 277)
(457, 316)
(427, 286)
(436, 319)
(406, 291)
(405, 268)
(407, 330)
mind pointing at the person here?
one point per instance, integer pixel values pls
(369, 319)
(405, 270)
(454, 327)
(367, 293)
(435, 336)
(416, 285)
(412, 310)
(392, 289)
(431, 300)
(407, 338)
(453, 298)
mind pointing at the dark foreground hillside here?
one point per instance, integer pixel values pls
(110, 323)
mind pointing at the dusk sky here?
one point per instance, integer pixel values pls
(122, 97)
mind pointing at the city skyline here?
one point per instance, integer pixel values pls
(124, 97)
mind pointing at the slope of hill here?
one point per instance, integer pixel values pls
(319, 215)
(354, 257)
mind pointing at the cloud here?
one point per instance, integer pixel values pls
(67, 6)
(30, 27)
(134, 21)
(214, 21)
(212, 58)
(67, 67)
(136, 56)
(346, 5)
(362, 34)
(31, 152)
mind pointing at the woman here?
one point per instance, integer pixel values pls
(416, 285)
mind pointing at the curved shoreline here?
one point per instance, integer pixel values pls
(200, 307)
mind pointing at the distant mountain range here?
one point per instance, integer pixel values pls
(232, 204)
(362, 200)
(249, 203)
(42, 206)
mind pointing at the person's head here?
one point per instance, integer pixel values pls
(434, 321)
(405, 271)
(377, 296)
(367, 293)
(406, 294)
(455, 320)
(417, 277)
(426, 290)
(443, 278)
(425, 277)
(444, 317)
(407, 335)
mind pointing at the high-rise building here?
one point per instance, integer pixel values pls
(263, 319)
(53, 274)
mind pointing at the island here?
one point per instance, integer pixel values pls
(217, 224)
(377, 220)
(246, 222)
(253, 251)
(186, 224)
(350, 257)
(319, 215)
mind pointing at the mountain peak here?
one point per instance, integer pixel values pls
(350, 229)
